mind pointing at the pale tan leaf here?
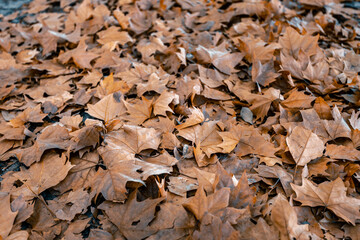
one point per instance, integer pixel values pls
(304, 145)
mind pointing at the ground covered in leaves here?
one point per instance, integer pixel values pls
(184, 119)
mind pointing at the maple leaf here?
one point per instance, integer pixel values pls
(279, 173)
(220, 57)
(264, 74)
(154, 83)
(285, 219)
(246, 140)
(118, 154)
(34, 115)
(256, 50)
(212, 226)
(139, 111)
(242, 196)
(108, 86)
(81, 174)
(112, 35)
(298, 100)
(337, 127)
(342, 152)
(70, 204)
(107, 108)
(172, 219)
(7, 216)
(292, 42)
(86, 137)
(80, 56)
(304, 145)
(331, 195)
(135, 216)
(322, 108)
(42, 175)
(161, 105)
(206, 139)
(260, 103)
(52, 137)
(200, 204)
(196, 117)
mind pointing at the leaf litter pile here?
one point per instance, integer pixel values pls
(184, 119)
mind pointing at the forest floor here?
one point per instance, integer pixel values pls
(186, 119)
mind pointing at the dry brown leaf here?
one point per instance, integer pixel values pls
(107, 108)
(200, 204)
(108, 86)
(161, 105)
(206, 138)
(246, 140)
(34, 115)
(304, 145)
(285, 220)
(112, 35)
(292, 42)
(264, 74)
(242, 196)
(42, 175)
(135, 216)
(298, 100)
(139, 111)
(342, 152)
(118, 153)
(80, 56)
(331, 195)
(7, 216)
(52, 137)
(196, 117)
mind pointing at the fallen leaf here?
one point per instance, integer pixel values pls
(304, 145)
(107, 108)
(52, 137)
(118, 153)
(298, 100)
(331, 195)
(42, 175)
(264, 74)
(161, 105)
(286, 221)
(80, 56)
(7, 216)
(200, 204)
(135, 216)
